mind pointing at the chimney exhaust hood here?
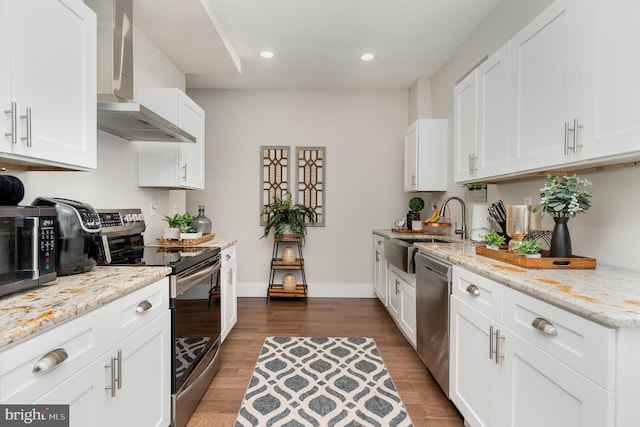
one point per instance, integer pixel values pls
(118, 113)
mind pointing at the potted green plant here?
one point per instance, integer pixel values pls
(529, 248)
(493, 240)
(564, 198)
(416, 204)
(286, 217)
(179, 227)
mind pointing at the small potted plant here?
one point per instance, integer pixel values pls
(564, 197)
(285, 217)
(180, 227)
(493, 240)
(529, 248)
(416, 204)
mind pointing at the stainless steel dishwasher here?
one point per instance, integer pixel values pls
(433, 289)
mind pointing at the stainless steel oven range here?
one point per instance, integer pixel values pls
(194, 302)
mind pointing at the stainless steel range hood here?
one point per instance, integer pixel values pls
(118, 113)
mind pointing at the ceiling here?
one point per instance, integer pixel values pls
(317, 43)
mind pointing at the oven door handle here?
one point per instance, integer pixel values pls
(185, 283)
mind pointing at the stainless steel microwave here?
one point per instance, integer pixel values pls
(27, 247)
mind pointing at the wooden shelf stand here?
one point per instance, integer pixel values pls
(276, 289)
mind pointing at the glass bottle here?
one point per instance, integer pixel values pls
(201, 222)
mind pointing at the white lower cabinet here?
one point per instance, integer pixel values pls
(379, 269)
(110, 365)
(402, 304)
(541, 374)
(228, 290)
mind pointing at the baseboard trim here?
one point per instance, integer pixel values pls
(316, 290)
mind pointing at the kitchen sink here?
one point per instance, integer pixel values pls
(400, 251)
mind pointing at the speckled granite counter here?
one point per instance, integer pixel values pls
(394, 235)
(607, 295)
(26, 313)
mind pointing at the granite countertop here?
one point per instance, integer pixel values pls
(607, 295)
(408, 235)
(24, 314)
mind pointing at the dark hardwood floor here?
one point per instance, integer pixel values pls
(352, 317)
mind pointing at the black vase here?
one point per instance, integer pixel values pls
(560, 240)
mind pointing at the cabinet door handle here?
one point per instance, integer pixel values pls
(576, 127)
(499, 339)
(50, 360)
(184, 177)
(116, 374)
(470, 162)
(473, 290)
(491, 350)
(143, 306)
(378, 258)
(566, 138)
(397, 283)
(13, 112)
(28, 137)
(544, 326)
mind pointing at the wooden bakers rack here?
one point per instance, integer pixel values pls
(277, 289)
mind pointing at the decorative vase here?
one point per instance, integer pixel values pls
(288, 254)
(533, 255)
(560, 239)
(201, 222)
(289, 282)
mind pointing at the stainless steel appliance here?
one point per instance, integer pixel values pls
(194, 303)
(27, 247)
(433, 291)
(78, 235)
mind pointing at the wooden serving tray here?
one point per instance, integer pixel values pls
(573, 263)
(185, 242)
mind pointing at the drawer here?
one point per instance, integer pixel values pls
(586, 346)
(83, 339)
(138, 308)
(477, 291)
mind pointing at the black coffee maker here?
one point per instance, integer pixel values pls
(78, 235)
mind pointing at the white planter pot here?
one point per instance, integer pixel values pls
(495, 248)
(171, 233)
(532, 255)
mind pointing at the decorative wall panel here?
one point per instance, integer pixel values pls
(275, 174)
(310, 190)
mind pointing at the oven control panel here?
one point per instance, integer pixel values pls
(117, 222)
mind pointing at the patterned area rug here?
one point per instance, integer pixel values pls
(302, 381)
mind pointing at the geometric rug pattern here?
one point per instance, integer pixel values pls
(320, 381)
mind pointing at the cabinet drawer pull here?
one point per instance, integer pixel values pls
(13, 112)
(227, 257)
(473, 290)
(50, 360)
(544, 326)
(143, 306)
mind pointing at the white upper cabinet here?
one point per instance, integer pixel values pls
(481, 114)
(48, 83)
(425, 147)
(173, 164)
(610, 88)
(544, 88)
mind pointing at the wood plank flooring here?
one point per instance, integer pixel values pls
(347, 317)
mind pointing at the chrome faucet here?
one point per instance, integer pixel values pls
(461, 231)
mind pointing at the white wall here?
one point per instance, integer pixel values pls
(609, 230)
(114, 184)
(363, 134)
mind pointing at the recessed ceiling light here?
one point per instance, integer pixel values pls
(267, 54)
(366, 57)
